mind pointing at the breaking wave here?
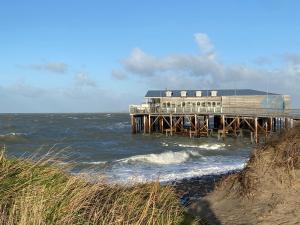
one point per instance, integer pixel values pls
(163, 158)
(12, 137)
(217, 146)
(178, 175)
(119, 125)
(95, 163)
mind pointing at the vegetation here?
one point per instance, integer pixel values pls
(36, 192)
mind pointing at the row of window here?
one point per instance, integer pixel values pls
(194, 104)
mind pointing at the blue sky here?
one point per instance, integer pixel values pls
(100, 56)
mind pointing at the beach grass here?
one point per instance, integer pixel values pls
(37, 192)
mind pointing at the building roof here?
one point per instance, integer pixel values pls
(220, 92)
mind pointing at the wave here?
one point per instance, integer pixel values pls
(213, 170)
(73, 117)
(12, 137)
(163, 158)
(177, 175)
(165, 144)
(216, 146)
(95, 163)
(118, 125)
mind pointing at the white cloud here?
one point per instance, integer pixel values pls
(204, 43)
(83, 80)
(52, 67)
(292, 58)
(118, 75)
(205, 70)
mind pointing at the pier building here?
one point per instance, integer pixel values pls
(197, 113)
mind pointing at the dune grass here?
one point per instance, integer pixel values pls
(35, 192)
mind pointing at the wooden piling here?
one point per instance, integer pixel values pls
(223, 127)
(150, 124)
(256, 129)
(171, 124)
(133, 125)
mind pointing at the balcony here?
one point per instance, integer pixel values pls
(152, 109)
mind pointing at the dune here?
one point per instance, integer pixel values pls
(266, 191)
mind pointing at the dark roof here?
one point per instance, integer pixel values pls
(220, 92)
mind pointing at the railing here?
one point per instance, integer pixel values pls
(243, 111)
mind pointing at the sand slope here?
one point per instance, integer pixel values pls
(267, 191)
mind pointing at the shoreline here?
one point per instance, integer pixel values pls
(190, 190)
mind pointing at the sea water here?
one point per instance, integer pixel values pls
(102, 145)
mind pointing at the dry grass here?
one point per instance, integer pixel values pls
(273, 163)
(38, 193)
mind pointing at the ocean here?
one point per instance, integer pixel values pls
(102, 145)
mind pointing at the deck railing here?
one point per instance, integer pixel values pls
(242, 111)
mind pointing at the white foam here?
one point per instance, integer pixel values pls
(197, 172)
(215, 146)
(73, 117)
(165, 144)
(119, 125)
(125, 177)
(95, 162)
(13, 134)
(163, 158)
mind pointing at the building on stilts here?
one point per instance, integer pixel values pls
(197, 113)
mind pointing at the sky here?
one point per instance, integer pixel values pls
(100, 56)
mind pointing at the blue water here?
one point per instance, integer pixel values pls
(102, 145)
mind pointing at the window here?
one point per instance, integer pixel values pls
(218, 103)
(194, 104)
(209, 104)
(198, 103)
(168, 104)
(164, 105)
(183, 104)
(214, 104)
(203, 104)
(173, 105)
(183, 93)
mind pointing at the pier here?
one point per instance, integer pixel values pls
(222, 113)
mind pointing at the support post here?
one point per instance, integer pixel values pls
(223, 127)
(196, 125)
(144, 123)
(161, 124)
(149, 124)
(256, 132)
(133, 124)
(171, 124)
(286, 123)
(207, 124)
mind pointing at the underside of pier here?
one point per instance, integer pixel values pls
(198, 125)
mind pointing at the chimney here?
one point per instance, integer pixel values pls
(214, 93)
(198, 93)
(169, 93)
(183, 93)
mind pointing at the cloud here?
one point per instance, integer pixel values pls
(204, 43)
(118, 75)
(205, 70)
(25, 98)
(83, 80)
(263, 61)
(292, 58)
(52, 67)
